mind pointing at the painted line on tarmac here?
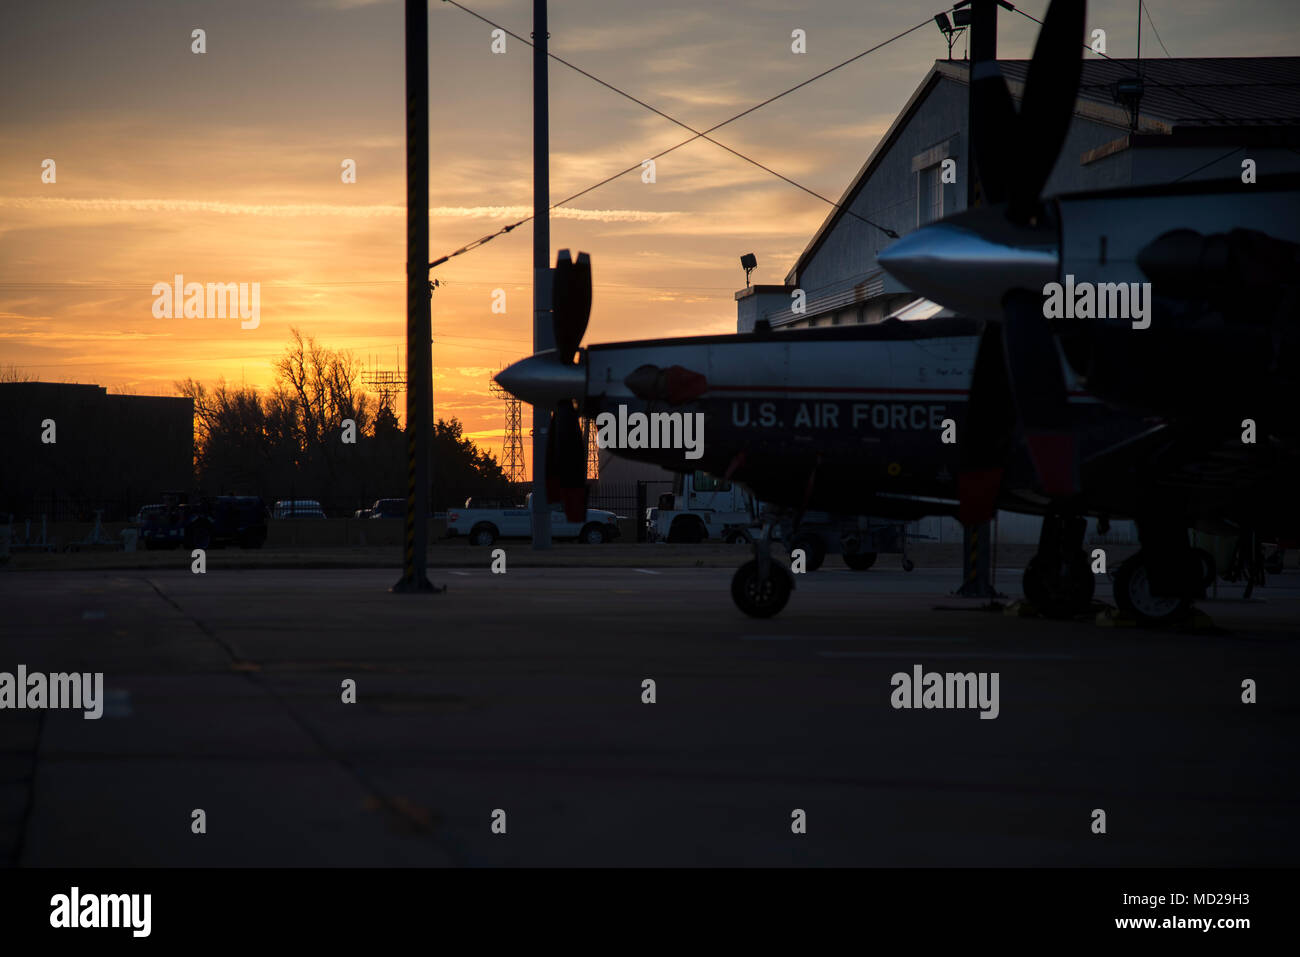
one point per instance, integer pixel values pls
(645, 571)
(1001, 656)
(452, 571)
(853, 638)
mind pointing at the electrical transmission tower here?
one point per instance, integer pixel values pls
(386, 385)
(512, 452)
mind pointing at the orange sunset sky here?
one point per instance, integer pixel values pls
(225, 167)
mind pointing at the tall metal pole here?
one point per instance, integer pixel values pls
(419, 356)
(977, 579)
(543, 337)
(983, 39)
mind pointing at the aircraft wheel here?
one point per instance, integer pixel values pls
(813, 548)
(1134, 597)
(1058, 592)
(859, 561)
(761, 599)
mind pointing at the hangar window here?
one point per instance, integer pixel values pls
(929, 195)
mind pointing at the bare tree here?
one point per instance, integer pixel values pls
(12, 373)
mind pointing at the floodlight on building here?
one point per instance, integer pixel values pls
(1128, 92)
(946, 28)
(750, 262)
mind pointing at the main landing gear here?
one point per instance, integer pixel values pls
(761, 588)
(1058, 580)
(1159, 583)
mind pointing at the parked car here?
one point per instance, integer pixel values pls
(297, 508)
(383, 508)
(484, 526)
(207, 523)
(147, 511)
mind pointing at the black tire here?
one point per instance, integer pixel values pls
(908, 565)
(859, 561)
(761, 599)
(485, 534)
(739, 536)
(1055, 594)
(593, 534)
(813, 548)
(686, 530)
(1134, 598)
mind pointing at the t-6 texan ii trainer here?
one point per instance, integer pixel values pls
(1093, 417)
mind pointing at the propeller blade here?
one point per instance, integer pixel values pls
(990, 424)
(1047, 107)
(566, 462)
(570, 302)
(1038, 385)
(996, 137)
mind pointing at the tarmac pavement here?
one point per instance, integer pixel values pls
(523, 693)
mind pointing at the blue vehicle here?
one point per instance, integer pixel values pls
(209, 523)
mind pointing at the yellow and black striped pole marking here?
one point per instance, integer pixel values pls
(408, 567)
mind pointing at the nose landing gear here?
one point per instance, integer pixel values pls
(761, 588)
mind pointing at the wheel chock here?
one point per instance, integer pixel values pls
(1110, 617)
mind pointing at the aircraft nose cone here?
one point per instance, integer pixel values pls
(969, 271)
(544, 379)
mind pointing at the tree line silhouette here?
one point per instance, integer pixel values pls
(288, 441)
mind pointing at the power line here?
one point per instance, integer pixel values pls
(688, 128)
(696, 134)
(1147, 11)
(1163, 86)
(1220, 159)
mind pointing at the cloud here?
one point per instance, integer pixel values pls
(322, 209)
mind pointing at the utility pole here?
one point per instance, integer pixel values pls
(983, 39)
(976, 560)
(419, 338)
(543, 334)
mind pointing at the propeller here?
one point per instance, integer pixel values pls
(1017, 373)
(566, 448)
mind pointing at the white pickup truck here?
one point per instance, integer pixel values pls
(484, 526)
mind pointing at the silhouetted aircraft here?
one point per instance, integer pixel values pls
(1215, 356)
(853, 420)
(849, 420)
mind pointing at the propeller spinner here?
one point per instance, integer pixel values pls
(557, 378)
